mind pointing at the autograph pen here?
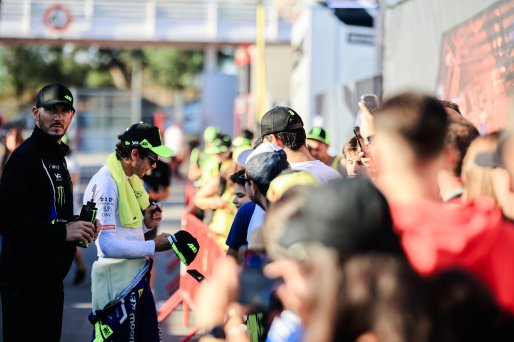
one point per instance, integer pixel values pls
(157, 207)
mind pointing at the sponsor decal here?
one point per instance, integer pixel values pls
(132, 321)
(106, 199)
(60, 195)
(193, 247)
(133, 299)
(108, 227)
(58, 177)
(140, 292)
(54, 167)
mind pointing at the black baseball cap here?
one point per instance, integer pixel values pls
(280, 119)
(185, 246)
(350, 215)
(52, 94)
(145, 136)
(493, 158)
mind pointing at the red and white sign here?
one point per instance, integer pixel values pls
(57, 17)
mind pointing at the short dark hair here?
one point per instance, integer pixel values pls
(418, 119)
(238, 177)
(124, 151)
(351, 146)
(293, 139)
(461, 133)
(452, 105)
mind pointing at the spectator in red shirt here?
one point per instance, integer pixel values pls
(410, 131)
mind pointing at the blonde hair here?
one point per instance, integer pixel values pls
(477, 179)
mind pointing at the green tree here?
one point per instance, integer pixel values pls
(172, 67)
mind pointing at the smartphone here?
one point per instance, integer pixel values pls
(256, 289)
(370, 101)
(357, 137)
(197, 275)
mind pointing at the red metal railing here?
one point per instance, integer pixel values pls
(209, 252)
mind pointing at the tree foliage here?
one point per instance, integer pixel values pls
(173, 68)
(26, 68)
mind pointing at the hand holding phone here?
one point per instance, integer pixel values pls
(357, 136)
(255, 288)
(370, 101)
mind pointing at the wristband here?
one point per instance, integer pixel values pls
(240, 329)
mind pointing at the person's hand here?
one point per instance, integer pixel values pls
(161, 242)
(367, 127)
(369, 164)
(215, 295)
(502, 191)
(80, 231)
(152, 215)
(98, 227)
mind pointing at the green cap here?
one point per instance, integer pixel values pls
(209, 134)
(319, 134)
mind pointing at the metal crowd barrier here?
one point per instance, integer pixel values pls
(208, 254)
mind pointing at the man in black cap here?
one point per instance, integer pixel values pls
(126, 214)
(282, 126)
(36, 208)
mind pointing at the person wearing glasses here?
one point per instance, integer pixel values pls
(38, 229)
(126, 214)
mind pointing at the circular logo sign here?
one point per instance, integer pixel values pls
(57, 17)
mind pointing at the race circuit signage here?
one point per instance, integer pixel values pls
(57, 17)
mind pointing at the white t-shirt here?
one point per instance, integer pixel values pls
(114, 240)
(174, 139)
(252, 236)
(321, 171)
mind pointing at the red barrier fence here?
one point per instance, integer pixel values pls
(209, 252)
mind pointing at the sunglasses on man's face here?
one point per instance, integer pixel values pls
(153, 160)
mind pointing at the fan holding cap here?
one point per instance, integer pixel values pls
(126, 214)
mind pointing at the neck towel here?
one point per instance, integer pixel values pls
(132, 197)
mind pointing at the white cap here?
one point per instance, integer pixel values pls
(265, 147)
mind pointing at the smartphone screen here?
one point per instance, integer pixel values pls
(255, 288)
(197, 275)
(370, 101)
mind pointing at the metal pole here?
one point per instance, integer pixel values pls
(261, 62)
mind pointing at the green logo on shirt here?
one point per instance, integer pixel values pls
(60, 195)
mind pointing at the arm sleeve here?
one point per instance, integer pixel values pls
(237, 235)
(116, 241)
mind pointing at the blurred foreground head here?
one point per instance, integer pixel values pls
(351, 216)
(343, 239)
(418, 120)
(478, 179)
